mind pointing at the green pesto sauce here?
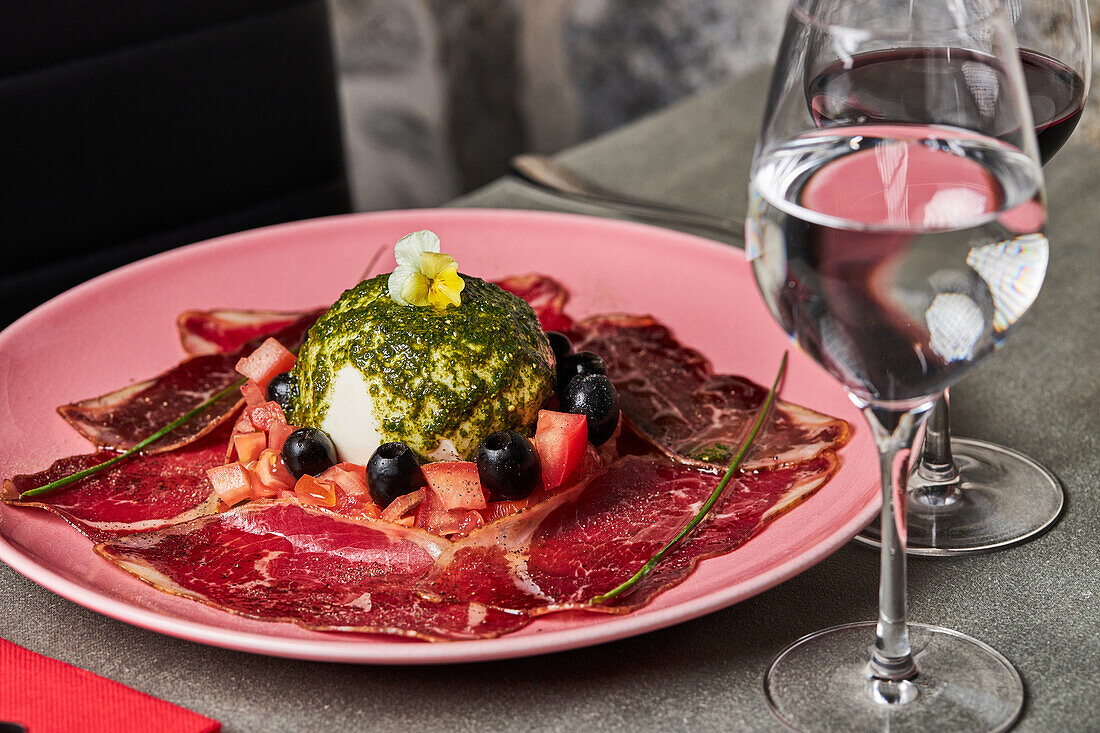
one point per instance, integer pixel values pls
(458, 373)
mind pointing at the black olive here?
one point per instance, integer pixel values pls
(393, 471)
(580, 364)
(280, 389)
(508, 465)
(594, 396)
(560, 343)
(308, 450)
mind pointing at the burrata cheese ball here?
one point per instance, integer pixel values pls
(372, 371)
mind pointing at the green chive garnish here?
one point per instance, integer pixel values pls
(74, 477)
(711, 501)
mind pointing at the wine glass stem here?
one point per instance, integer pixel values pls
(892, 657)
(937, 475)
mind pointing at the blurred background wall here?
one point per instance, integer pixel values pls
(438, 94)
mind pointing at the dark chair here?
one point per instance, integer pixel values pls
(128, 127)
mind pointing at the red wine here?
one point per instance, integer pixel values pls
(897, 255)
(909, 84)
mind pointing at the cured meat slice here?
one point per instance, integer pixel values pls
(121, 419)
(142, 493)
(587, 540)
(672, 397)
(225, 329)
(284, 562)
(217, 331)
(546, 296)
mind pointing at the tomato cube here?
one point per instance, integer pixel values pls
(499, 509)
(269, 359)
(349, 477)
(402, 505)
(311, 490)
(456, 483)
(252, 393)
(231, 482)
(272, 472)
(433, 517)
(260, 490)
(277, 435)
(249, 446)
(265, 415)
(560, 439)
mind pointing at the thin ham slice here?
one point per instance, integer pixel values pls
(284, 562)
(672, 397)
(585, 541)
(218, 331)
(226, 329)
(140, 494)
(546, 296)
(121, 419)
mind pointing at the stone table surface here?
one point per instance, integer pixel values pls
(1037, 603)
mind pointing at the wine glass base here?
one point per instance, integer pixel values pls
(1005, 498)
(822, 683)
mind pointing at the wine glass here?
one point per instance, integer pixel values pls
(968, 495)
(897, 255)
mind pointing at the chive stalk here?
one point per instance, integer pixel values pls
(646, 569)
(74, 477)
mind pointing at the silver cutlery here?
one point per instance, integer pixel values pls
(551, 176)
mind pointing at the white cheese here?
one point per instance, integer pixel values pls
(352, 424)
(350, 419)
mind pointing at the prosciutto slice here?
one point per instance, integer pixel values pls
(284, 562)
(121, 419)
(587, 540)
(673, 398)
(140, 494)
(218, 331)
(546, 296)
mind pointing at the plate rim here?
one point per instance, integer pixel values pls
(384, 651)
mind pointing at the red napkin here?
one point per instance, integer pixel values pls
(48, 696)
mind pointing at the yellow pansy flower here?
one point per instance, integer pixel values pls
(423, 275)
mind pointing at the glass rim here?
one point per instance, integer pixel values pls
(838, 222)
(902, 31)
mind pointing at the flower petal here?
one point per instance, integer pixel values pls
(408, 249)
(434, 264)
(397, 280)
(445, 290)
(416, 291)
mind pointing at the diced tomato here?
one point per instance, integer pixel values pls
(243, 425)
(277, 435)
(253, 394)
(231, 482)
(311, 490)
(456, 483)
(560, 439)
(498, 509)
(249, 446)
(269, 359)
(468, 522)
(266, 414)
(352, 496)
(402, 505)
(349, 477)
(432, 516)
(370, 511)
(260, 490)
(272, 472)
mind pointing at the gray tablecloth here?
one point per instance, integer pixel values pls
(1036, 603)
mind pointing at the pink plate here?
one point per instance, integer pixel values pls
(120, 328)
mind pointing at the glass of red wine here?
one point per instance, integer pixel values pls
(968, 495)
(898, 254)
